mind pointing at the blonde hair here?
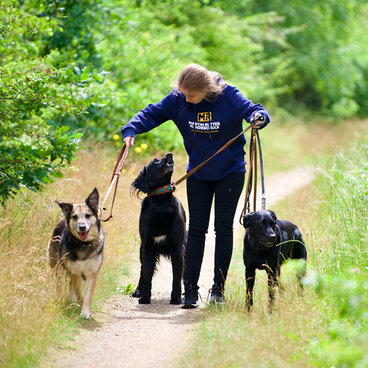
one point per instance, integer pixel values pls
(196, 77)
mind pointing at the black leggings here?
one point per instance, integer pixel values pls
(200, 194)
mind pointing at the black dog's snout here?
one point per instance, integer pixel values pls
(270, 233)
(82, 227)
(272, 237)
(169, 158)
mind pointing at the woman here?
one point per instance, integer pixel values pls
(208, 113)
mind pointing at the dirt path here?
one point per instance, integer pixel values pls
(131, 335)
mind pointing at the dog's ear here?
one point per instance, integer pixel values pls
(141, 182)
(66, 208)
(92, 200)
(273, 215)
(247, 219)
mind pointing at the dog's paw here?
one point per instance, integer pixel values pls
(85, 314)
(175, 300)
(144, 300)
(136, 294)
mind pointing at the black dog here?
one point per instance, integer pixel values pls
(161, 227)
(267, 243)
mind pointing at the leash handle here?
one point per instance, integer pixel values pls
(262, 172)
(250, 176)
(255, 140)
(114, 181)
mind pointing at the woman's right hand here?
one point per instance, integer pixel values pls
(129, 141)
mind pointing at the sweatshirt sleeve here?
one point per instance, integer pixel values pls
(149, 118)
(246, 108)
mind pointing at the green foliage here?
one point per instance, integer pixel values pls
(346, 342)
(345, 211)
(74, 37)
(91, 65)
(329, 52)
(34, 96)
(126, 289)
(142, 55)
(146, 44)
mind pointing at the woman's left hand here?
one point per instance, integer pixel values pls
(257, 120)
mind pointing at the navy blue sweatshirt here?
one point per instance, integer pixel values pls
(205, 128)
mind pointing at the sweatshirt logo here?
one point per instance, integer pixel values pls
(199, 127)
(204, 116)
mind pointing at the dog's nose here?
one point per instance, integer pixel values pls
(82, 227)
(169, 157)
(272, 236)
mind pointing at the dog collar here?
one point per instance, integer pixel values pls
(162, 190)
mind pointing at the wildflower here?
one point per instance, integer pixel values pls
(355, 270)
(116, 137)
(138, 149)
(144, 146)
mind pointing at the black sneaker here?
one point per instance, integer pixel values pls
(217, 295)
(190, 297)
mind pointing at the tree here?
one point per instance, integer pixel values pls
(33, 94)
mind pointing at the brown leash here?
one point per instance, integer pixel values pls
(191, 172)
(114, 180)
(169, 188)
(255, 140)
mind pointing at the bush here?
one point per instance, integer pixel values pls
(328, 46)
(34, 96)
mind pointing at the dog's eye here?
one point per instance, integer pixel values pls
(88, 215)
(74, 217)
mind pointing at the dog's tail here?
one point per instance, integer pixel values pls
(54, 244)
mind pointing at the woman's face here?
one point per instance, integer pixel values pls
(193, 96)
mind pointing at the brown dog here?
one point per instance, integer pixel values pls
(77, 244)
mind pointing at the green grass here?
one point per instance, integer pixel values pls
(343, 277)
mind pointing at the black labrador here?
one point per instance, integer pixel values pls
(268, 242)
(161, 227)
